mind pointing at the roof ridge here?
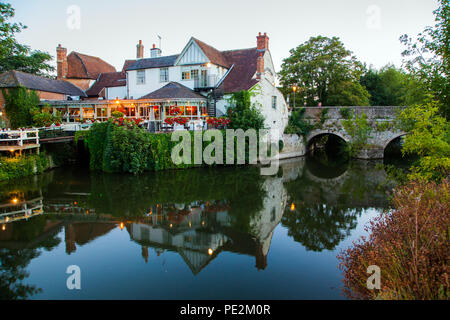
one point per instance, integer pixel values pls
(252, 48)
(77, 54)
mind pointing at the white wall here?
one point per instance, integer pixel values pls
(152, 77)
(275, 118)
(116, 92)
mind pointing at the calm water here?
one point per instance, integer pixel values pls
(218, 233)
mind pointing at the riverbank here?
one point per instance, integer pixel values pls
(25, 165)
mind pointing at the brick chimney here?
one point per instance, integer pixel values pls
(139, 50)
(262, 41)
(155, 52)
(259, 66)
(61, 62)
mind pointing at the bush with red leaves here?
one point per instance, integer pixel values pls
(410, 244)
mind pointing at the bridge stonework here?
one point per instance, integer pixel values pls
(380, 119)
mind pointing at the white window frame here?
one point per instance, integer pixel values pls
(164, 75)
(140, 77)
(195, 71)
(274, 102)
(184, 73)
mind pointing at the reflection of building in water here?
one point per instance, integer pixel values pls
(200, 232)
(192, 235)
(80, 233)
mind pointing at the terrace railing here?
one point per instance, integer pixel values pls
(19, 138)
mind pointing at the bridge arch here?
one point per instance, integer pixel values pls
(392, 138)
(317, 134)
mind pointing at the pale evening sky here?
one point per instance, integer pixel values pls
(111, 29)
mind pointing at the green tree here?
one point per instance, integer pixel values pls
(390, 86)
(16, 56)
(20, 106)
(429, 137)
(325, 71)
(427, 59)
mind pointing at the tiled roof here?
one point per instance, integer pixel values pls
(82, 66)
(13, 79)
(173, 90)
(107, 80)
(241, 77)
(127, 63)
(214, 55)
(244, 68)
(148, 63)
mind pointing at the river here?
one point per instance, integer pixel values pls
(207, 233)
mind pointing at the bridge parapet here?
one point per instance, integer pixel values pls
(372, 112)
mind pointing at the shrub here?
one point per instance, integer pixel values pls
(409, 244)
(22, 166)
(44, 119)
(297, 124)
(117, 114)
(429, 138)
(359, 129)
(346, 113)
(323, 116)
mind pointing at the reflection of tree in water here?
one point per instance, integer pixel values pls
(326, 211)
(12, 269)
(14, 258)
(132, 196)
(319, 226)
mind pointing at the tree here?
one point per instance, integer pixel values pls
(429, 137)
(16, 56)
(390, 86)
(325, 72)
(427, 59)
(20, 106)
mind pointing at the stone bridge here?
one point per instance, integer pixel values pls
(329, 121)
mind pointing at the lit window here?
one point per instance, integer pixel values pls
(274, 102)
(140, 77)
(164, 75)
(186, 75)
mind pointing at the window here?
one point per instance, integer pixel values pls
(140, 77)
(185, 75)
(194, 74)
(274, 102)
(164, 75)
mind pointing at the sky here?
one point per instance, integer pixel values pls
(111, 29)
